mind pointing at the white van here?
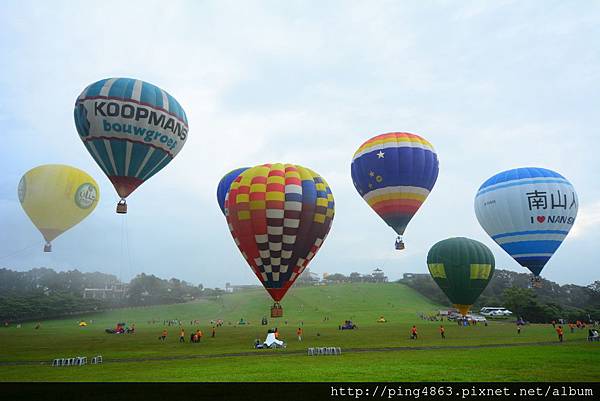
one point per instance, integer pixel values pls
(495, 311)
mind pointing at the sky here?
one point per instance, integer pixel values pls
(492, 85)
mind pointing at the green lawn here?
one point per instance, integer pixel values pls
(363, 303)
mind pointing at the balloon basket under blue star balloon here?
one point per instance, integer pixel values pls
(399, 244)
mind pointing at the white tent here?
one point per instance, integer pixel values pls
(270, 340)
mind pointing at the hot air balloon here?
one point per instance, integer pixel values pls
(57, 197)
(225, 183)
(131, 128)
(394, 174)
(462, 267)
(279, 215)
(528, 212)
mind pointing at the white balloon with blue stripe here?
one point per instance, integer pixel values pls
(528, 212)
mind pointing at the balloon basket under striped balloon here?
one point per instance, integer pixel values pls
(122, 207)
(536, 282)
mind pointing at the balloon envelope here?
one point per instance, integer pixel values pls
(225, 183)
(131, 128)
(394, 174)
(528, 212)
(279, 215)
(462, 268)
(57, 197)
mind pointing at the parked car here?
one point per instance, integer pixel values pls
(495, 311)
(477, 318)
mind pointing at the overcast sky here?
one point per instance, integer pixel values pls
(492, 85)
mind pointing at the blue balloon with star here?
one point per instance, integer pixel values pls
(394, 173)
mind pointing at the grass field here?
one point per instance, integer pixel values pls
(374, 352)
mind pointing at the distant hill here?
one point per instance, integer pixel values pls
(360, 302)
(44, 293)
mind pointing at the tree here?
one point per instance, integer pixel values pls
(523, 302)
(337, 277)
(595, 287)
(355, 277)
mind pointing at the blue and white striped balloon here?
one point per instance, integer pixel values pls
(528, 212)
(131, 128)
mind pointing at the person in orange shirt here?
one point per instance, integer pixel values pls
(559, 331)
(299, 333)
(163, 336)
(442, 331)
(276, 332)
(413, 333)
(199, 334)
(182, 335)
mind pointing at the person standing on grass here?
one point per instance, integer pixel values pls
(519, 329)
(213, 332)
(299, 333)
(413, 333)
(554, 324)
(163, 336)
(559, 331)
(182, 335)
(199, 334)
(442, 331)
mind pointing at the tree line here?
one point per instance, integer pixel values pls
(512, 290)
(43, 293)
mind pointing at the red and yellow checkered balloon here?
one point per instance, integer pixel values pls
(279, 215)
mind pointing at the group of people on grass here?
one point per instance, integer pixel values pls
(414, 334)
(593, 334)
(195, 336)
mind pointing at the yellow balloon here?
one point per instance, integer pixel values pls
(57, 197)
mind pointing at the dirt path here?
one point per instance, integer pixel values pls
(282, 352)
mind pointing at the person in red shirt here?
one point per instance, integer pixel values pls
(413, 333)
(442, 331)
(299, 333)
(559, 331)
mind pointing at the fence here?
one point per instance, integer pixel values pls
(75, 361)
(324, 351)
